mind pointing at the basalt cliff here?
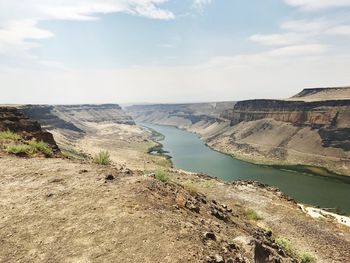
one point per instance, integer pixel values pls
(312, 130)
(12, 119)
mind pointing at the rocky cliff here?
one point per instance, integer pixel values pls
(316, 94)
(202, 118)
(71, 124)
(290, 132)
(304, 131)
(14, 120)
(75, 117)
(316, 114)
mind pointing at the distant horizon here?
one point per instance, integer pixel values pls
(125, 104)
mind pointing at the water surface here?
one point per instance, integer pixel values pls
(190, 153)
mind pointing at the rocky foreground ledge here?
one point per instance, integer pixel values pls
(55, 210)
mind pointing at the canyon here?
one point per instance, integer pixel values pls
(312, 130)
(126, 213)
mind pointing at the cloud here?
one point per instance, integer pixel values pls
(306, 32)
(199, 4)
(312, 5)
(19, 19)
(262, 75)
(278, 39)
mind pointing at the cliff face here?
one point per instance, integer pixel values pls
(202, 118)
(330, 118)
(14, 120)
(316, 94)
(74, 127)
(310, 128)
(74, 117)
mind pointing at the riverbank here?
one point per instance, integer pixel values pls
(281, 165)
(190, 153)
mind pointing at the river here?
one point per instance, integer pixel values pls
(190, 153)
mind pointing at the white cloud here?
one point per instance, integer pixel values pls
(19, 19)
(199, 4)
(305, 32)
(312, 5)
(299, 50)
(261, 75)
(278, 39)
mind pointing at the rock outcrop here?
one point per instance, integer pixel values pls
(315, 114)
(201, 118)
(75, 117)
(316, 94)
(14, 120)
(308, 129)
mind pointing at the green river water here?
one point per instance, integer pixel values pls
(189, 152)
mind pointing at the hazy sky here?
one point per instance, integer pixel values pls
(97, 51)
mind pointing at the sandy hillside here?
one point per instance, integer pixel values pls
(55, 210)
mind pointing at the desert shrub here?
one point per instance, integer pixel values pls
(161, 176)
(207, 184)
(252, 215)
(10, 135)
(286, 245)
(102, 158)
(307, 258)
(190, 187)
(41, 147)
(18, 149)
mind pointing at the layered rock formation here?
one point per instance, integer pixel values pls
(304, 131)
(290, 132)
(315, 94)
(201, 118)
(76, 117)
(14, 120)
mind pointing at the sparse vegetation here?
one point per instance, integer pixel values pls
(10, 135)
(18, 149)
(207, 184)
(252, 215)
(40, 146)
(161, 176)
(307, 258)
(102, 158)
(286, 245)
(31, 147)
(190, 187)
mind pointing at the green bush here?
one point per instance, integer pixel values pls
(252, 215)
(41, 147)
(9, 135)
(161, 176)
(18, 149)
(286, 245)
(102, 158)
(307, 258)
(190, 187)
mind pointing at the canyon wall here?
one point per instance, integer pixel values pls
(76, 117)
(311, 132)
(202, 118)
(14, 120)
(70, 124)
(317, 94)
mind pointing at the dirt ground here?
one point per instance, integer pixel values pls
(127, 144)
(56, 210)
(326, 239)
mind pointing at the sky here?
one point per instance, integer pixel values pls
(168, 51)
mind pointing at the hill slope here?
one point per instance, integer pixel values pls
(129, 217)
